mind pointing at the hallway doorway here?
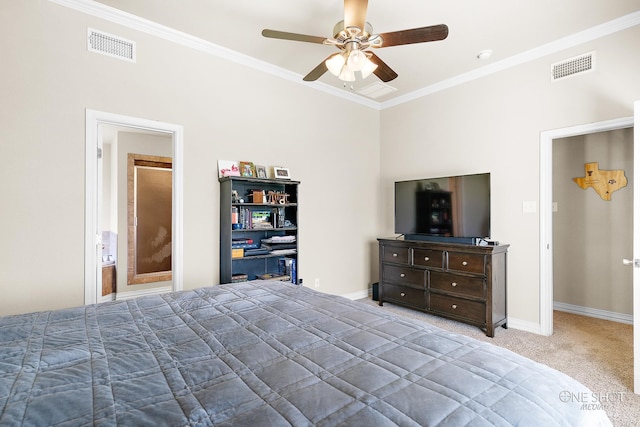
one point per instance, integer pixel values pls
(546, 208)
(546, 247)
(592, 231)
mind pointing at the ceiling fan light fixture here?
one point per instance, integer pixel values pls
(353, 36)
(356, 60)
(335, 64)
(368, 68)
(347, 75)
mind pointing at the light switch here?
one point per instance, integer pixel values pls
(529, 207)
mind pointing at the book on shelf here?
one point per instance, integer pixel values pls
(241, 240)
(239, 277)
(277, 217)
(262, 226)
(287, 266)
(276, 246)
(244, 217)
(280, 239)
(245, 245)
(260, 219)
(274, 276)
(234, 215)
(283, 251)
(257, 251)
(237, 253)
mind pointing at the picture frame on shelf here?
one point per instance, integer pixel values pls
(247, 169)
(261, 172)
(281, 173)
(228, 168)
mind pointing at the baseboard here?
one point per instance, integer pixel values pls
(106, 298)
(594, 312)
(535, 328)
(512, 323)
(524, 325)
(134, 294)
(358, 295)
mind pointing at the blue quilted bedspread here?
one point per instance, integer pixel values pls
(265, 354)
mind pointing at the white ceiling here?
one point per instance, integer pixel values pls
(507, 27)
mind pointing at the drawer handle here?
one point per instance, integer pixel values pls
(402, 294)
(426, 258)
(454, 306)
(454, 284)
(395, 255)
(401, 274)
(464, 263)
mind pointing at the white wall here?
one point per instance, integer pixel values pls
(493, 124)
(228, 112)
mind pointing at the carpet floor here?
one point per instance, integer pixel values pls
(596, 352)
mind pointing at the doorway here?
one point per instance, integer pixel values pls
(135, 211)
(546, 221)
(96, 123)
(546, 208)
(592, 224)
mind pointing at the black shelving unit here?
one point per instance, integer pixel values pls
(269, 217)
(436, 218)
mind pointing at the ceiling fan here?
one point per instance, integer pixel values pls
(353, 36)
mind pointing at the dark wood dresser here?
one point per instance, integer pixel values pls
(462, 282)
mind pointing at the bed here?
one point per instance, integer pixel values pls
(265, 353)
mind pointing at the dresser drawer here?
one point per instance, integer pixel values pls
(468, 263)
(396, 255)
(471, 310)
(463, 285)
(428, 258)
(404, 295)
(407, 275)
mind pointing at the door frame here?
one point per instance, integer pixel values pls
(546, 211)
(93, 236)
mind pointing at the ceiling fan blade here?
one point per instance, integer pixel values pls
(384, 72)
(416, 35)
(355, 13)
(317, 72)
(292, 36)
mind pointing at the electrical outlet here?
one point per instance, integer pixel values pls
(317, 283)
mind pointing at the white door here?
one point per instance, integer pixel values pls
(98, 216)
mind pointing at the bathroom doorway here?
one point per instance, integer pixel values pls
(109, 140)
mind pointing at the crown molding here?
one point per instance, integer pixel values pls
(146, 26)
(593, 33)
(117, 16)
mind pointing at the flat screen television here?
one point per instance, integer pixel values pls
(450, 208)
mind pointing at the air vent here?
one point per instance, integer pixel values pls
(573, 66)
(110, 45)
(376, 90)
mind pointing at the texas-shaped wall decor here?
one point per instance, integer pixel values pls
(604, 182)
